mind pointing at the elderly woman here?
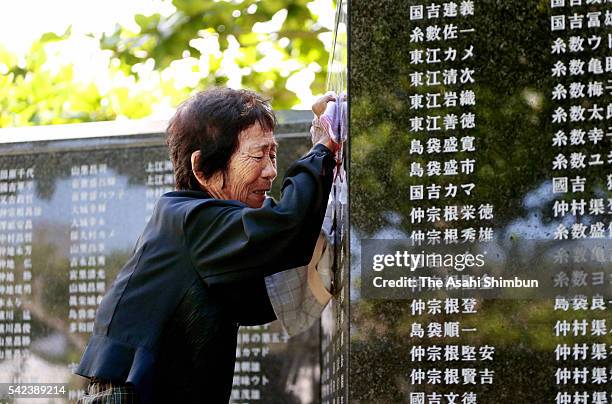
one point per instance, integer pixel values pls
(166, 330)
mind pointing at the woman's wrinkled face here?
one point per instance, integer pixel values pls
(252, 168)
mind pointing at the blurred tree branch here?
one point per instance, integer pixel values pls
(256, 45)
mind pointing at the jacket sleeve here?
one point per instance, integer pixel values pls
(231, 242)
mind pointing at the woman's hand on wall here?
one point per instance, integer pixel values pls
(321, 124)
(320, 104)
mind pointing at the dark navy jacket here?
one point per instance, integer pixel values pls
(192, 237)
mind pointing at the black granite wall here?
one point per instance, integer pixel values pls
(472, 126)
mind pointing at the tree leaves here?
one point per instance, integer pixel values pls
(198, 45)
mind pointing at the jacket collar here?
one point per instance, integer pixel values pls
(189, 193)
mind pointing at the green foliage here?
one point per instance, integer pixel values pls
(159, 61)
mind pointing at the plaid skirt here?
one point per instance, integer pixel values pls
(108, 393)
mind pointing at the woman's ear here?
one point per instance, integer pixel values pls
(195, 162)
(214, 184)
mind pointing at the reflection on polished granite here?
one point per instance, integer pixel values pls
(513, 84)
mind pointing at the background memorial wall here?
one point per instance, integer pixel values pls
(73, 200)
(482, 127)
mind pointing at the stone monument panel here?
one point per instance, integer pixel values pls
(480, 149)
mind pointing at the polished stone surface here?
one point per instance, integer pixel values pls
(508, 49)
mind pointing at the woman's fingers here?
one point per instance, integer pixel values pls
(320, 104)
(322, 125)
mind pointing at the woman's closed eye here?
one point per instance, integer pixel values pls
(260, 157)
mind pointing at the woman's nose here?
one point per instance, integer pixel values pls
(269, 171)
